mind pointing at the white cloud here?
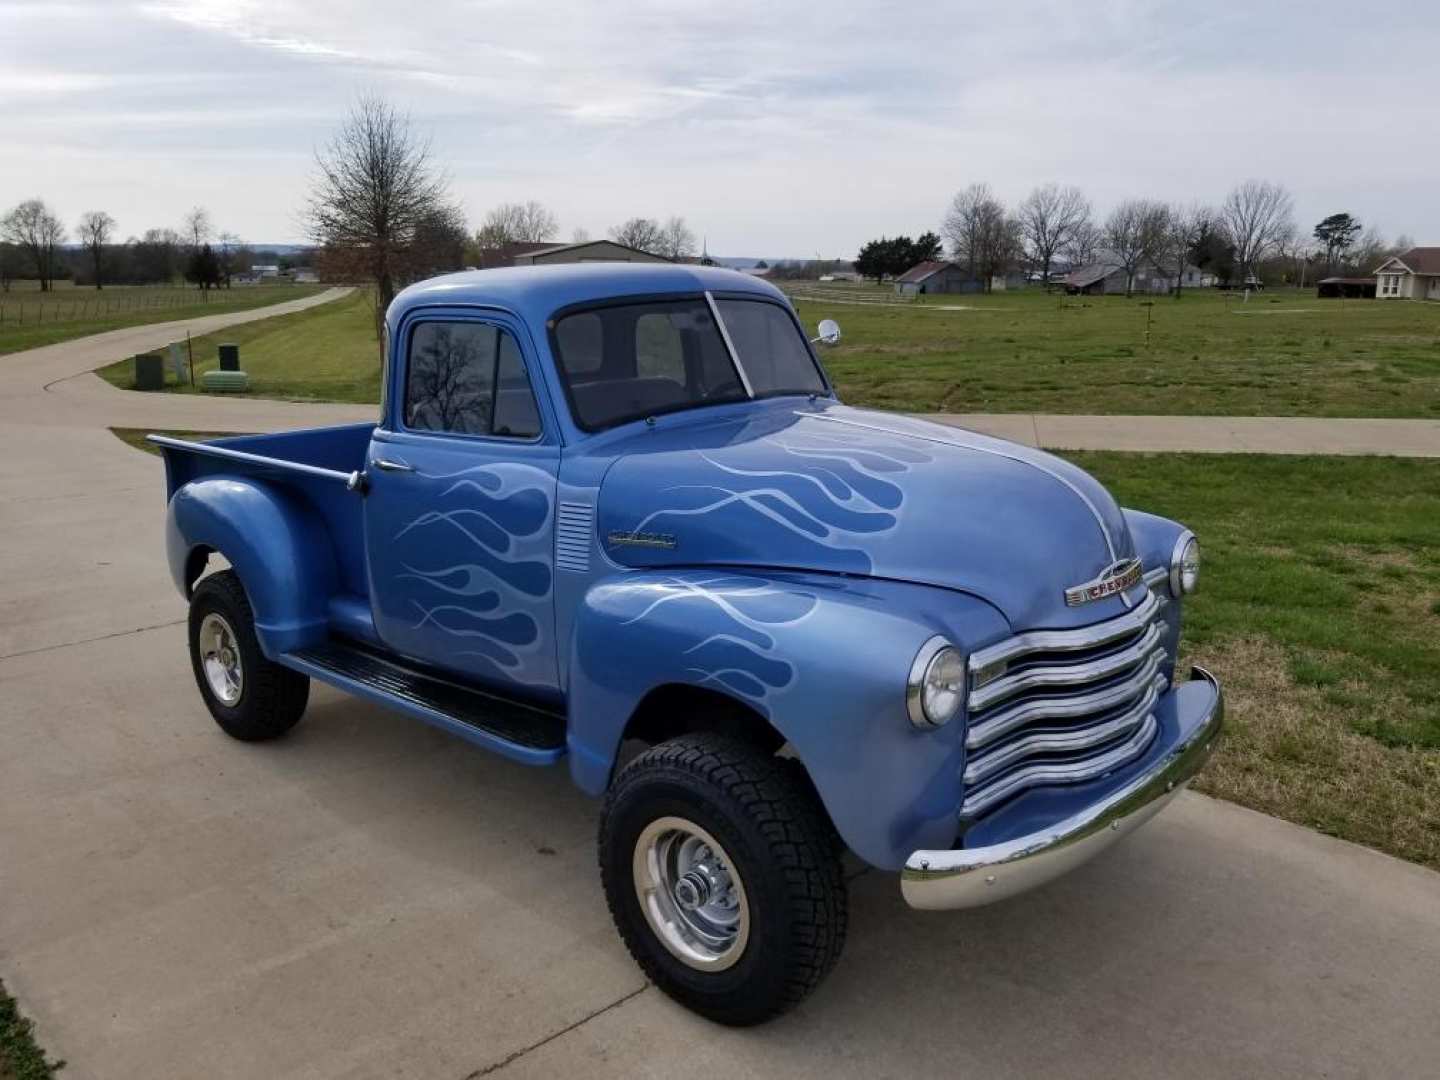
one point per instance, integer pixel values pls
(776, 129)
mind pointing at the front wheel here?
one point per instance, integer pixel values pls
(722, 877)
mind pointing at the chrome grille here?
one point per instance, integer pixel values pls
(1062, 706)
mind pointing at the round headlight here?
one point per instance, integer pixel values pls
(1185, 565)
(936, 688)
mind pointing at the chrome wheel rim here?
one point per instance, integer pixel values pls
(220, 659)
(691, 894)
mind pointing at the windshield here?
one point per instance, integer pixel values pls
(776, 358)
(624, 362)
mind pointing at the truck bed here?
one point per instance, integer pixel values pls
(314, 464)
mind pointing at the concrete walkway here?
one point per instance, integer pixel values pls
(369, 898)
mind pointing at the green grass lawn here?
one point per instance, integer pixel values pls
(30, 318)
(326, 353)
(1319, 608)
(132, 436)
(1285, 354)
(1279, 355)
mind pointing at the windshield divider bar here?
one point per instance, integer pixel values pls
(729, 345)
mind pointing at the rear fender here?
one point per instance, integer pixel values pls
(275, 542)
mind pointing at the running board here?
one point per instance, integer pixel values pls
(518, 730)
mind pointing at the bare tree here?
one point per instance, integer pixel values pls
(1135, 234)
(1082, 246)
(375, 186)
(95, 229)
(197, 228)
(1257, 216)
(962, 226)
(34, 229)
(638, 232)
(1048, 218)
(982, 235)
(229, 250)
(579, 235)
(1185, 228)
(516, 223)
(9, 256)
(676, 240)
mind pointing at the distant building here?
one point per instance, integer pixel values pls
(1354, 288)
(841, 275)
(937, 277)
(1107, 276)
(590, 251)
(261, 271)
(1411, 275)
(303, 275)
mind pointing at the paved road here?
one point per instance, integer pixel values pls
(371, 898)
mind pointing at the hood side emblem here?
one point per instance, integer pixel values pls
(1115, 578)
(642, 539)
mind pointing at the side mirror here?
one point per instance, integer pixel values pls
(829, 331)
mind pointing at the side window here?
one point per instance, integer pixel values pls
(659, 350)
(468, 378)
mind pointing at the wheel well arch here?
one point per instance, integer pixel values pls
(196, 560)
(673, 709)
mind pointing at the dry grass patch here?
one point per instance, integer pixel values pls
(1291, 751)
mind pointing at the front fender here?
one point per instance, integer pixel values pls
(275, 542)
(824, 658)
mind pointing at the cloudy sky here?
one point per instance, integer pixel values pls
(775, 128)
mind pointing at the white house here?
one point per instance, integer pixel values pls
(1412, 275)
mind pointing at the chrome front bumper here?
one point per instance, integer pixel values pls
(936, 880)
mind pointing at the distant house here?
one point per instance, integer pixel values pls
(1107, 276)
(1411, 275)
(590, 251)
(262, 271)
(1355, 288)
(937, 277)
(303, 275)
(841, 275)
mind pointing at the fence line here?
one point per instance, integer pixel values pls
(102, 303)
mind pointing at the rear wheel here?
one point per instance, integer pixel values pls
(722, 878)
(250, 697)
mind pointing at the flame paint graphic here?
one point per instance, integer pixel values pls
(840, 491)
(493, 603)
(740, 652)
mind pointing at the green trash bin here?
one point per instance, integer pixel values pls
(229, 357)
(149, 371)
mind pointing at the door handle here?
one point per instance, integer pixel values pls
(387, 465)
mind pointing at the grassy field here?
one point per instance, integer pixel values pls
(30, 318)
(1285, 354)
(1319, 608)
(1278, 355)
(134, 436)
(327, 353)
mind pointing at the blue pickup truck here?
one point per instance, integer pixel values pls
(615, 516)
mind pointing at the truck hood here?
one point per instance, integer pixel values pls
(833, 489)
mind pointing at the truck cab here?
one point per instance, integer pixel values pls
(615, 516)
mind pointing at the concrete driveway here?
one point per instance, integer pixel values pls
(369, 897)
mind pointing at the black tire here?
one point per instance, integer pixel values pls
(779, 842)
(272, 698)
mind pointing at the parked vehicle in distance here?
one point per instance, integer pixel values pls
(614, 515)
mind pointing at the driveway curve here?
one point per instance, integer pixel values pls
(368, 897)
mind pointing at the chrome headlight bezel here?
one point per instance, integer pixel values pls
(1184, 565)
(924, 683)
